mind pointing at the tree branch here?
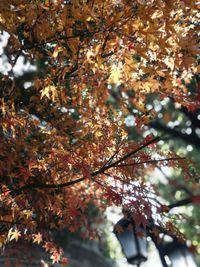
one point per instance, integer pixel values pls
(192, 138)
(83, 34)
(156, 139)
(149, 161)
(41, 185)
(180, 203)
(93, 174)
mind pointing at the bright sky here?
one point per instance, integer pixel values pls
(20, 66)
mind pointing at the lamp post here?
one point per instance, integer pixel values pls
(133, 241)
(134, 245)
(179, 255)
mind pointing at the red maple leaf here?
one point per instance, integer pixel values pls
(131, 46)
(198, 97)
(113, 196)
(192, 107)
(64, 261)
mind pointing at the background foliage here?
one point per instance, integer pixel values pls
(96, 97)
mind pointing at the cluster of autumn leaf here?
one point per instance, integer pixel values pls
(63, 145)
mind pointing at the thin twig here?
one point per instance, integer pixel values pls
(134, 152)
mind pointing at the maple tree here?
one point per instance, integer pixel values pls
(64, 136)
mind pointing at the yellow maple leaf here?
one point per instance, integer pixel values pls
(50, 92)
(115, 75)
(56, 51)
(14, 234)
(27, 214)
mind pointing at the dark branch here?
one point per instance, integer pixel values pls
(149, 161)
(180, 203)
(192, 138)
(134, 152)
(41, 185)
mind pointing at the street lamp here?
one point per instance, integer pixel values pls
(179, 255)
(133, 241)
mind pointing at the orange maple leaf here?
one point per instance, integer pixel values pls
(37, 238)
(48, 246)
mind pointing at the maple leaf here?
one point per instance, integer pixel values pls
(14, 234)
(56, 51)
(193, 106)
(130, 227)
(164, 208)
(2, 240)
(115, 75)
(113, 196)
(48, 246)
(50, 92)
(140, 219)
(198, 97)
(64, 261)
(25, 173)
(55, 257)
(37, 238)
(130, 46)
(27, 213)
(155, 231)
(140, 233)
(119, 229)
